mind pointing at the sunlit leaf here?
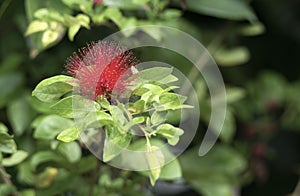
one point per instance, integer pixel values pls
(69, 134)
(36, 26)
(52, 88)
(74, 106)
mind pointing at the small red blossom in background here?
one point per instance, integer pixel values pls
(96, 2)
(101, 68)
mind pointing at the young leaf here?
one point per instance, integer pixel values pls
(72, 31)
(36, 26)
(69, 135)
(170, 132)
(51, 89)
(104, 103)
(155, 159)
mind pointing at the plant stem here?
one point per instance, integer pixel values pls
(94, 178)
(6, 178)
(4, 7)
(4, 175)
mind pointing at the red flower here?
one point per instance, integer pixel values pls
(100, 68)
(96, 2)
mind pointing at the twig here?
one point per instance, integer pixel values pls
(4, 6)
(94, 178)
(5, 177)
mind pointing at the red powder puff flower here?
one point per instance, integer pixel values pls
(101, 68)
(96, 2)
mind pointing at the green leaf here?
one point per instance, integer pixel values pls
(69, 134)
(43, 157)
(83, 20)
(40, 106)
(73, 31)
(51, 36)
(11, 63)
(229, 128)
(138, 120)
(36, 26)
(19, 114)
(74, 106)
(170, 14)
(154, 89)
(155, 160)
(15, 158)
(28, 192)
(104, 103)
(50, 126)
(98, 119)
(35, 40)
(74, 24)
(170, 132)
(7, 144)
(7, 91)
(168, 79)
(7, 189)
(124, 4)
(155, 73)
(118, 114)
(216, 173)
(115, 142)
(233, 56)
(139, 105)
(252, 29)
(171, 171)
(51, 89)
(158, 117)
(228, 9)
(86, 163)
(83, 5)
(48, 14)
(234, 94)
(171, 101)
(3, 128)
(71, 151)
